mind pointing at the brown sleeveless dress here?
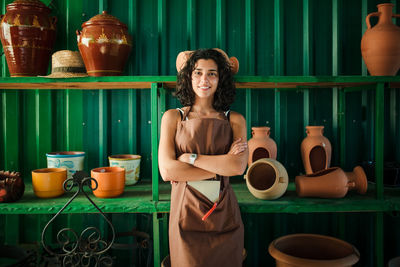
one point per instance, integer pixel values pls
(218, 240)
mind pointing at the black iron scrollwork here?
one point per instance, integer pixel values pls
(87, 248)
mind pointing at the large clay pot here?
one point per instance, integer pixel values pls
(331, 183)
(311, 250)
(380, 45)
(316, 150)
(104, 44)
(267, 179)
(261, 145)
(185, 55)
(28, 33)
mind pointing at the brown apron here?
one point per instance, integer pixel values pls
(218, 240)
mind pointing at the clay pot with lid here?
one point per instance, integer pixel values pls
(312, 250)
(27, 33)
(316, 150)
(105, 44)
(380, 45)
(261, 145)
(331, 183)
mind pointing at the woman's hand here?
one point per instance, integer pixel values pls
(237, 147)
(184, 158)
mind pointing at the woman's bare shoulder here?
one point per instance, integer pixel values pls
(236, 117)
(171, 115)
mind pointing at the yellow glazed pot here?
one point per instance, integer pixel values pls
(48, 182)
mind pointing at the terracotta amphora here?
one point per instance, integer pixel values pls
(110, 181)
(104, 44)
(316, 150)
(331, 183)
(185, 55)
(312, 250)
(380, 45)
(267, 179)
(28, 33)
(261, 145)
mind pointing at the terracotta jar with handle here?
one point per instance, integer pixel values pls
(380, 45)
(261, 145)
(104, 44)
(27, 33)
(316, 150)
(331, 183)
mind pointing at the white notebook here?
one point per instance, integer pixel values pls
(209, 188)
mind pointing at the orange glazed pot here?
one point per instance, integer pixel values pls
(261, 145)
(110, 181)
(105, 45)
(48, 182)
(28, 33)
(316, 150)
(380, 45)
(311, 250)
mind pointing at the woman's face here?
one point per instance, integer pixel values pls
(205, 78)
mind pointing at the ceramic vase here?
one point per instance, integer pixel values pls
(316, 150)
(104, 44)
(311, 250)
(380, 45)
(131, 164)
(261, 145)
(331, 183)
(28, 33)
(183, 56)
(70, 160)
(267, 179)
(110, 181)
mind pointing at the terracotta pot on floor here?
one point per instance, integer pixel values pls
(261, 145)
(316, 150)
(331, 183)
(311, 250)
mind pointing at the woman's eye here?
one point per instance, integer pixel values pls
(213, 74)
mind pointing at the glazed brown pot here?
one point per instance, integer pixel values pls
(261, 145)
(316, 150)
(380, 45)
(105, 45)
(311, 250)
(331, 183)
(28, 33)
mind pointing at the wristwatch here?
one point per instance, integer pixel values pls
(192, 158)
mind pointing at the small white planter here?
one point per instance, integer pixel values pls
(70, 160)
(131, 164)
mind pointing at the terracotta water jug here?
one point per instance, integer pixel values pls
(28, 33)
(267, 179)
(312, 250)
(316, 150)
(380, 45)
(261, 145)
(105, 45)
(185, 55)
(331, 183)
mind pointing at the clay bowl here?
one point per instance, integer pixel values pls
(48, 182)
(110, 181)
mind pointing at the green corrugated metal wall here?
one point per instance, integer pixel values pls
(275, 37)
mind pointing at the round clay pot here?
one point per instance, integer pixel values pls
(110, 181)
(131, 164)
(261, 145)
(185, 55)
(316, 150)
(48, 182)
(311, 250)
(267, 179)
(28, 33)
(331, 183)
(105, 45)
(380, 45)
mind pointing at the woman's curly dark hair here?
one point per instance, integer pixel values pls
(226, 89)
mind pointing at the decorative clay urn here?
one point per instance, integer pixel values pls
(267, 179)
(104, 44)
(331, 183)
(261, 145)
(28, 33)
(185, 55)
(380, 45)
(316, 150)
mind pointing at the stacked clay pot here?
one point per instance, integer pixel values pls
(28, 33)
(316, 150)
(380, 45)
(105, 45)
(261, 145)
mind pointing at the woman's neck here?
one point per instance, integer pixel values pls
(203, 106)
